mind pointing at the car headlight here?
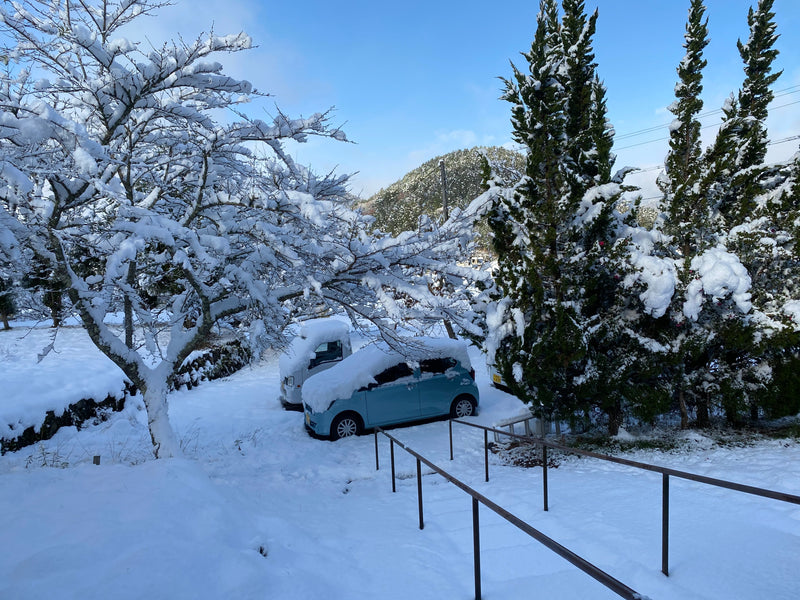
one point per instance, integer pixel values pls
(289, 381)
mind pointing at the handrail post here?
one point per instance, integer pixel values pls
(665, 524)
(544, 476)
(419, 493)
(486, 452)
(610, 582)
(391, 454)
(476, 547)
(377, 463)
(450, 424)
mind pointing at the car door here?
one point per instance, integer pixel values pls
(436, 389)
(394, 398)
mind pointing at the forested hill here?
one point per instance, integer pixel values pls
(398, 207)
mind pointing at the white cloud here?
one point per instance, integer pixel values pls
(448, 141)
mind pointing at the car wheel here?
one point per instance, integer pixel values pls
(345, 425)
(463, 406)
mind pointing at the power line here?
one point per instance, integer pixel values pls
(788, 139)
(710, 113)
(661, 139)
(791, 138)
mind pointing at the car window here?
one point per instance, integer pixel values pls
(326, 352)
(437, 365)
(393, 373)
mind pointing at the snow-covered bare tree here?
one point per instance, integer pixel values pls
(118, 173)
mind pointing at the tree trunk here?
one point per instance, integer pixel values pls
(165, 442)
(703, 416)
(4, 316)
(128, 307)
(683, 409)
(614, 418)
(53, 301)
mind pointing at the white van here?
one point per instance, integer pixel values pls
(320, 344)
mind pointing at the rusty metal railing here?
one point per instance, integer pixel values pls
(598, 574)
(665, 472)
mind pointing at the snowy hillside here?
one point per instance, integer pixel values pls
(253, 483)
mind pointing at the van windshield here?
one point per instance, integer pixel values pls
(326, 352)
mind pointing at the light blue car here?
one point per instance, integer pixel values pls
(377, 386)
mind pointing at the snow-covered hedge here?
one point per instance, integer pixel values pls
(211, 363)
(86, 410)
(56, 378)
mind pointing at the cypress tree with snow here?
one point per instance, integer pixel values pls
(767, 244)
(554, 329)
(734, 184)
(602, 133)
(742, 140)
(687, 218)
(528, 223)
(783, 304)
(576, 35)
(684, 204)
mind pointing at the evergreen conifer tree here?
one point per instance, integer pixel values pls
(736, 185)
(687, 218)
(602, 133)
(576, 36)
(682, 165)
(557, 335)
(738, 153)
(528, 223)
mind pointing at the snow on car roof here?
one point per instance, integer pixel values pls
(312, 333)
(359, 369)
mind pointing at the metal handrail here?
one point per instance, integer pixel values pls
(595, 572)
(665, 472)
(739, 487)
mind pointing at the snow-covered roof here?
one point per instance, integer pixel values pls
(358, 369)
(312, 333)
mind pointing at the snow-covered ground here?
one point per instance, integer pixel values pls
(253, 483)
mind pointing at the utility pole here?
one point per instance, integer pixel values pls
(445, 210)
(446, 214)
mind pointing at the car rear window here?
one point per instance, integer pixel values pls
(393, 373)
(437, 365)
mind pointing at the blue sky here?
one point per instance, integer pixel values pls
(415, 79)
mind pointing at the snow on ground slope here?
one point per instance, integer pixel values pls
(253, 482)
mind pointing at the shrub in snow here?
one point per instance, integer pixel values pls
(76, 414)
(211, 363)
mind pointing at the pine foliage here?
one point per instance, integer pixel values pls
(597, 310)
(562, 344)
